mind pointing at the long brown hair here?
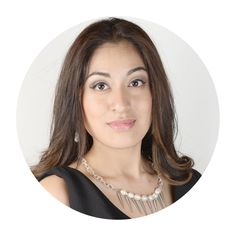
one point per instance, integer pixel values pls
(68, 116)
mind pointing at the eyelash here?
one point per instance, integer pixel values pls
(103, 83)
(138, 80)
(97, 84)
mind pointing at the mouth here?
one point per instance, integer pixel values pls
(122, 125)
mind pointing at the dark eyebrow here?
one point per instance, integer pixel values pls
(108, 75)
(99, 73)
(136, 69)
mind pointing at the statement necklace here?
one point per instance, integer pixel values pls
(141, 202)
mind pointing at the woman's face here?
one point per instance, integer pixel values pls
(117, 100)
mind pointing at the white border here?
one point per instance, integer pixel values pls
(208, 26)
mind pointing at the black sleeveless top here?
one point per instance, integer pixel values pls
(87, 198)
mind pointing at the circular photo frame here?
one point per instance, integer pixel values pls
(194, 99)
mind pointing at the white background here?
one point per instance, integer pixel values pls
(27, 26)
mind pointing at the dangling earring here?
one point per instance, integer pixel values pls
(76, 138)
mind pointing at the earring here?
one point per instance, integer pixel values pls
(76, 138)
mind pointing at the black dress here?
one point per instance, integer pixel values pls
(87, 198)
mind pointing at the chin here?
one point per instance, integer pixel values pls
(121, 146)
(122, 143)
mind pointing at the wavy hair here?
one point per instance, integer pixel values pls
(68, 115)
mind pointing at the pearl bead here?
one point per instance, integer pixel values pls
(130, 195)
(144, 198)
(137, 197)
(157, 190)
(150, 197)
(155, 196)
(123, 192)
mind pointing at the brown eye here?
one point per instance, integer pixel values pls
(137, 83)
(100, 86)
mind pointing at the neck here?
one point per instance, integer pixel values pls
(112, 162)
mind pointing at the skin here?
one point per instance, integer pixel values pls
(113, 91)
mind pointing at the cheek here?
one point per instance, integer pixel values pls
(93, 107)
(143, 106)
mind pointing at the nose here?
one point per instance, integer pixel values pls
(120, 101)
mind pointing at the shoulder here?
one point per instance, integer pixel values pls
(194, 179)
(180, 190)
(195, 176)
(56, 186)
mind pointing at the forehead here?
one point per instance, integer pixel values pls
(109, 56)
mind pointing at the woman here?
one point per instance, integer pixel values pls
(111, 153)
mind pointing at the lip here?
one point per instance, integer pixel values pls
(122, 125)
